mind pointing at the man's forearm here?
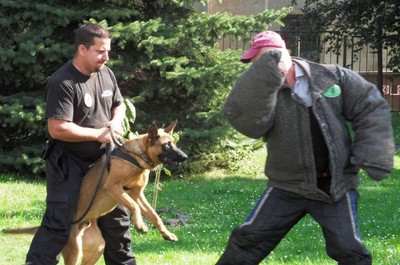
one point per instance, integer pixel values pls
(71, 132)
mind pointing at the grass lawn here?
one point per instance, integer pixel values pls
(215, 203)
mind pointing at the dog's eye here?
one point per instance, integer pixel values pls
(167, 146)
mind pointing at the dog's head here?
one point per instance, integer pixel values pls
(162, 144)
(157, 146)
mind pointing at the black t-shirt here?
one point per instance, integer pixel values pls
(85, 100)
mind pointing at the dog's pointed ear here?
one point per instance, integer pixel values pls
(153, 133)
(170, 129)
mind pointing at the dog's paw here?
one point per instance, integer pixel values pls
(169, 236)
(143, 229)
(140, 226)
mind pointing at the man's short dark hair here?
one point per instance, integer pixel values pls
(85, 35)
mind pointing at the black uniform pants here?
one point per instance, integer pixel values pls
(278, 211)
(64, 173)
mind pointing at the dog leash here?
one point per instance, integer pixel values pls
(117, 141)
(98, 186)
(107, 166)
(157, 187)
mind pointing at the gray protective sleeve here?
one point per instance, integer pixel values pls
(250, 106)
(373, 146)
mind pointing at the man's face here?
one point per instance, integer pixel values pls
(96, 56)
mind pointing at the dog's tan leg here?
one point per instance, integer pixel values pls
(151, 214)
(92, 244)
(137, 193)
(72, 250)
(114, 188)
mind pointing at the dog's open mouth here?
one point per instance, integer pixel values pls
(173, 158)
(169, 161)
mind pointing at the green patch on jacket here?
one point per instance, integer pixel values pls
(333, 91)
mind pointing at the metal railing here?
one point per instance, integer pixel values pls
(310, 45)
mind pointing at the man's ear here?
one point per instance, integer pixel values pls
(82, 49)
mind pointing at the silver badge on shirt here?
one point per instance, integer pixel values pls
(88, 100)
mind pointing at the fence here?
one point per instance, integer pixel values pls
(310, 45)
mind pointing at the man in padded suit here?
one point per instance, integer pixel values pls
(82, 98)
(302, 110)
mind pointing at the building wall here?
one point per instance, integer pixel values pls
(365, 63)
(237, 7)
(278, 4)
(250, 7)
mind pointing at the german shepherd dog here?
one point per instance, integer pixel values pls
(123, 183)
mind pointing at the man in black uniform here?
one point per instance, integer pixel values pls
(82, 97)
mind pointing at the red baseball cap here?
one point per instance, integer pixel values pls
(263, 39)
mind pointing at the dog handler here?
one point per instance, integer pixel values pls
(302, 110)
(82, 97)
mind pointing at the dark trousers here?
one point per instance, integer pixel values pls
(278, 211)
(115, 228)
(64, 173)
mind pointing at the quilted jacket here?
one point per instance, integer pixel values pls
(261, 105)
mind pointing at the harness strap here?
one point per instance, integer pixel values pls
(117, 153)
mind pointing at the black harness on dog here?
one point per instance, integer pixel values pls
(118, 153)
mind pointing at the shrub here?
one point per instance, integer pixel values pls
(165, 56)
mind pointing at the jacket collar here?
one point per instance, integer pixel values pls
(320, 78)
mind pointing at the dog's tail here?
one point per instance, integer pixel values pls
(27, 230)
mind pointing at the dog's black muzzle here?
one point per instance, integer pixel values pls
(172, 155)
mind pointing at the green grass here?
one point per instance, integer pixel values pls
(215, 203)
